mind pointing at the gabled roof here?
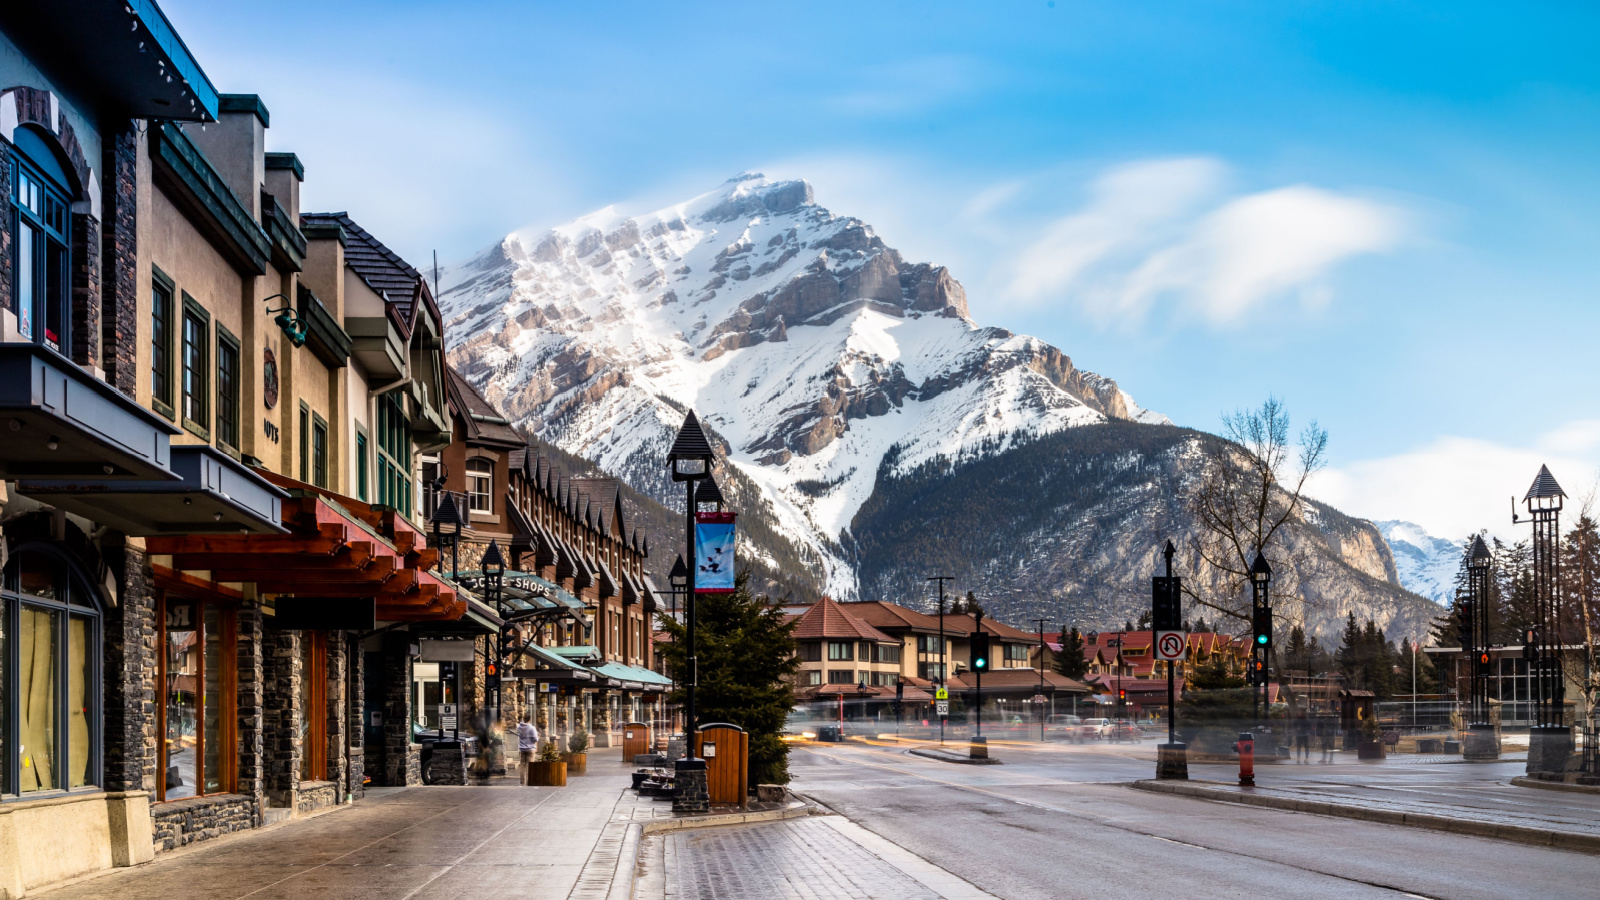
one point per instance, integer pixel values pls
(383, 270)
(892, 617)
(1544, 486)
(472, 410)
(990, 626)
(603, 496)
(827, 620)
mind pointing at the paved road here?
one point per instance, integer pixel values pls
(1055, 822)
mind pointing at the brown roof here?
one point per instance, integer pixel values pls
(991, 626)
(466, 402)
(828, 620)
(885, 615)
(382, 269)
(1014, 679)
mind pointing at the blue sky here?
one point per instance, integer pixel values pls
(1384, 213)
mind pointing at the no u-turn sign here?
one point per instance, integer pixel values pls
(1172, 645)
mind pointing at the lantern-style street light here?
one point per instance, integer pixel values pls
(493, 567)
(1476, 617)
(678, 578)
(1261, 609)
(447, 529)
(691, 461)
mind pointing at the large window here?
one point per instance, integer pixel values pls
(161, 343)
(480, 483)
(227, 388)
(841, 676)
(361, 465)
(394, 453)
(886, 653)
(312, 708)
(43, 230)
(50, 640)
(196, 367)
(840, 650)
(196, 702)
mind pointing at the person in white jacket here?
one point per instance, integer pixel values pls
(527, 740)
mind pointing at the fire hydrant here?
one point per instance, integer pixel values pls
(1247, 759)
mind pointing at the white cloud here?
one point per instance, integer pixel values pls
(1454, 486)
(1147, 234)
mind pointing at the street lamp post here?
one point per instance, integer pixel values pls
(493, 567)
(1039, 701)
(1549, 742)
(691, 461)
(1479, 743)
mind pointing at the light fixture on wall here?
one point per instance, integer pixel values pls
(293, 327)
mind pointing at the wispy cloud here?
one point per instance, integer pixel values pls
(1453, 486)
(1164, 230)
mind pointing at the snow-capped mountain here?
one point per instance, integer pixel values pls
(1427, 565)
(812, 350)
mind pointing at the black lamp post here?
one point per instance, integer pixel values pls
(691, 460)
(1261, 605)
(1476, 632)
(494, 575)
(1549, 742)
(942, 681)
(447, 529)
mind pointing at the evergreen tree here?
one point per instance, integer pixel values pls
(1297, 655)
(1349, 655)
(1427, 681)
(1070, 661)
(747, 665)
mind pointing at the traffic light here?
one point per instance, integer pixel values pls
(1530, 643)
(1256, 673)
(980, 650)
(1263, 626)
(1122, 694)
(1166, 606)
(1464, 632)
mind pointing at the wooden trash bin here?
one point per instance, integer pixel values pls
(726, 750)
(635, 740)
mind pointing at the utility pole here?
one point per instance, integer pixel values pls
(941, 680)
(1041, 677)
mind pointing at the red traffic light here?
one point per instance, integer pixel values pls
(1483, 658)
(490, 670)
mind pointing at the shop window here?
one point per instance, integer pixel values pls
(196, 368)
(312, 708)
(480, 481)
(41, 280)
(227, 389)
(161, 343)
(49, 676)
(840, 651)
(196, 703)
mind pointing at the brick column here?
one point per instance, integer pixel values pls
(280, 695)
(86, 312)
(6, 235)
(119, 291)
(129, 688)
(397, 770)
(251, 713)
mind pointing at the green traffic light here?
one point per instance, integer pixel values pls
(1261, 639)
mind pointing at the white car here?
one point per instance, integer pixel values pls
(1096, 728)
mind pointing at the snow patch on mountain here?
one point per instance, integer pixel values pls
(1426, 564)
(804, 342)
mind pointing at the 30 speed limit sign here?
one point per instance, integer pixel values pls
(1172, 645)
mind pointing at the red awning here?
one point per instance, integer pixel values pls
(337, 547)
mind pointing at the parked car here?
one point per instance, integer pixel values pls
(1096, 728)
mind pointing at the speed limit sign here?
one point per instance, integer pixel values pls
(1172, 645)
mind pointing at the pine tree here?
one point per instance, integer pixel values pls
(1349, 655)
(747, 663)
(1070, 661)
(1298, 653)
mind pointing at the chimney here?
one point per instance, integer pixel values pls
(235, 146)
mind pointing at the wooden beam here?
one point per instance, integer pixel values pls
(173, 580)
(254, 544)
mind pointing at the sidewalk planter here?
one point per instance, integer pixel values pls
(576, 763)
(547, 774)
(1369, 750)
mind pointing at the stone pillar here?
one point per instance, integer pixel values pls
(602, 720)
(396, 687)
(338, 739)
(1172, 762)
(281, 695)
(251, 702)
(1549, 749)
(355, 707)
(691, 794)
(86, 312)
(129, 702)
(119, 287)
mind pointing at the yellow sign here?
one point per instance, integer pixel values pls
(941, 694)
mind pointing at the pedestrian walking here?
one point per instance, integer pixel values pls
(1325, 732)
(527, 741)
(1302, 739)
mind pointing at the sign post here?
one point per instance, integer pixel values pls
(1171, 645)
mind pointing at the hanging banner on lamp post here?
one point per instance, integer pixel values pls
(713, 552)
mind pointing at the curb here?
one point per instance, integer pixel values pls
(952, 758)
(1522, 834)
(662, 826)
(1525, 781)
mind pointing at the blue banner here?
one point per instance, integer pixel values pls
(713, 553)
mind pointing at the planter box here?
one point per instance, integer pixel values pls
(1369, 750)
(547, 774)
(577, 763)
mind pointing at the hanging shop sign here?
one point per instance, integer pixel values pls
(446, 651)
(713, 552)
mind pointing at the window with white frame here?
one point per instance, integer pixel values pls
(480, 483)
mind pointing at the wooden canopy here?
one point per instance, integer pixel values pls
(336, 547)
